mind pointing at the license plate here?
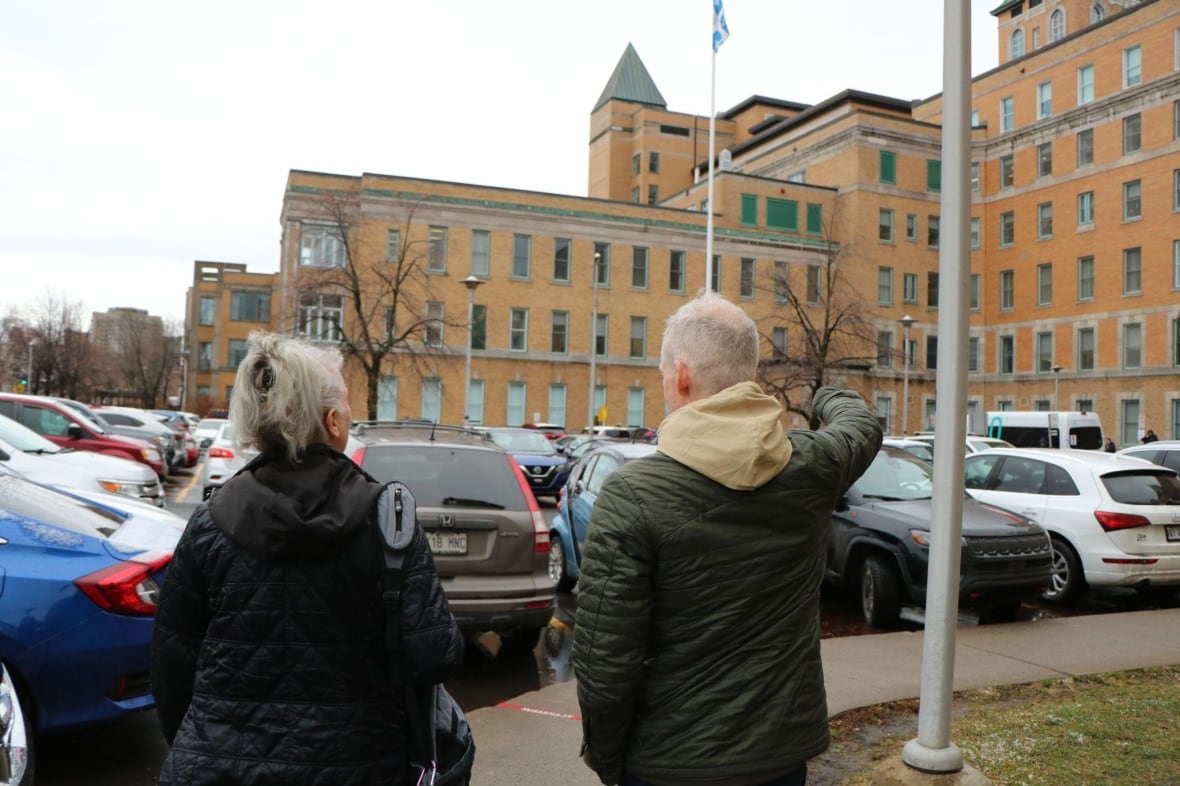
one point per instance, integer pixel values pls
(1172, 531)
(447, 542)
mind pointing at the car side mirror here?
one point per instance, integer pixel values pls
(74, 431)
(842, 503)
(578, 489)
(4, 455)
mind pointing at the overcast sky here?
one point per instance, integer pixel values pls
(137, 137)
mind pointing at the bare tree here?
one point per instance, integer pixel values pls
(833, 324)
(62, 362)
(385, 294)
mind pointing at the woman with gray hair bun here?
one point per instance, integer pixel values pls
(269, 662)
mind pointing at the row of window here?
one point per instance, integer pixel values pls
(782, 214)
(1016, 42)
(244, 306)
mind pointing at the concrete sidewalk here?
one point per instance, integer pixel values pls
(535, 738)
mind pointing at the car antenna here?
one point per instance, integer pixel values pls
(433, 426)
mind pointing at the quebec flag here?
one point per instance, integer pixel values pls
(720, 29)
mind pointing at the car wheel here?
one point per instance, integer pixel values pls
(879, 592)
(557, 572)
(524, 640)
(1067, 581)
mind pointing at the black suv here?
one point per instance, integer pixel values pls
(879, 546)
(489, 538)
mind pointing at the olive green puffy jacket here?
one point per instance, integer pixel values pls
(697, 647)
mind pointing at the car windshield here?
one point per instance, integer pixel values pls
(896, 475)
(24, 439)
(76, 516)
(434, 474)
(1143, 488)
(523, 441)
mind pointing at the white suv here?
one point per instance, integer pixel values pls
(1113, 521)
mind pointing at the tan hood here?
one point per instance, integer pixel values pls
(733, 437)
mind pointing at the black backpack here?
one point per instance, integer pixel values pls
(442, 749)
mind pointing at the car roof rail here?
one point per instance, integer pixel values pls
(359, 428)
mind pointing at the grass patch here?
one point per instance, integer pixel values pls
(1118, 728)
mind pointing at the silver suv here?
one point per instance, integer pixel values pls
(489, 537)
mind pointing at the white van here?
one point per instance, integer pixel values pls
(1024, 429)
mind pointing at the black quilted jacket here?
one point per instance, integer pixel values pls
(268, 658)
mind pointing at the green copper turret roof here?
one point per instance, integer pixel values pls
(631, 82)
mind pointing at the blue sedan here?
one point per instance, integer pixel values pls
(81, 576)
(545, 468)
(575, 503)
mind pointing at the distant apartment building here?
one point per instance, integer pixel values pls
(822, 212)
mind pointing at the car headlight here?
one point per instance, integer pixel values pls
(921, 537)
(120, 487)
(150, 454)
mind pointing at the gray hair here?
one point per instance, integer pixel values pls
(283, 388)
(715, 339)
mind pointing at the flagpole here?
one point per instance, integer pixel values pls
(709, 196)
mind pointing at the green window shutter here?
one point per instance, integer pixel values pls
(815, 219)
(749, 210)
(888, 167)
(782, 214)
(933, 175)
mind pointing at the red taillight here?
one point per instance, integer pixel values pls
(540, 526)
(1115, 521)
(224, 453)
(358, 457)
(126, 588)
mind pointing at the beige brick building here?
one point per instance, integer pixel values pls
(1075, 241)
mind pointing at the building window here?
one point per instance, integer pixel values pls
(1007, 362)
(1056, 25)
(749, 210)
(888, 167)
(1085, 84)
(236, 352)
(933, 175)
(932, 290)
(1007, 114)
(602, 253)
(635, 406)
(1132, 66)
(653, 162)
(911, 227)
(974, 175)
(1130, 421)
(885, 413)
(1085, 278)
(1085, 147)
(973, 353)
(636, 163)
(1045, 159)
(561, 259)
(653, 194)
(1176, 264)
(557, 396)
(321, 246)
(1007, 171)
(931, 353)
(885, 286)
(1132, 200)
(746, 280)
(320, 317)
(249, 306)
(393, 245)
(518, 330)
(1176, 342)
(815, 219)
(1132, 134)
(481, 252)
(517, 395)
(778, 343)
(1086, 349)
(1097, 13)
(437, 250)
(1176, 116)
(639, 267)
(676, 271)
(1007, 228)
(638, 346)
(435, 316)
(1044, 100)
(208, 306)
(1016, 44)
(932, 231)
(973, 297)
(975, 224)
(559, 333)
(522, 256)
(601, 334)
(1045, 220)
(204, 356)
(782, 214)
(814, 284)
(909, 288)
(386, 397)
(1132, 283)
(1045, 284)
(885, 349)
(479, 326)
(782, 281)
(885, 225)
(1176, 189)
(715, 278)
(635, 195)
(1007, 290)
(1044, 352)
(797, 177)
(1086, 209)
(1132, 345)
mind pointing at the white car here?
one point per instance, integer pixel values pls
(222, 460)
(974, 443)
(1114, 521)
(1165, 452)
(206, 430)
(37, 459)
(917, 447)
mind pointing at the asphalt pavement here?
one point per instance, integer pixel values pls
(535, 738)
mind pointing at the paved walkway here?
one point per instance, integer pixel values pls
(534, 739)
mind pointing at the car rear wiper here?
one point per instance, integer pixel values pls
(471, 503)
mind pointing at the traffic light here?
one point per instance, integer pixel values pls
(24, 381)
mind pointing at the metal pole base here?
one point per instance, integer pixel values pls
(935, 760)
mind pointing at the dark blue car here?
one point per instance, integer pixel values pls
(545, 468)
(77, 601)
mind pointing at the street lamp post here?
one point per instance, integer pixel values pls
(184, 354)
(29, 378)
(472, 283)
(906, 323)
(593, 342)
(1056, 387)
